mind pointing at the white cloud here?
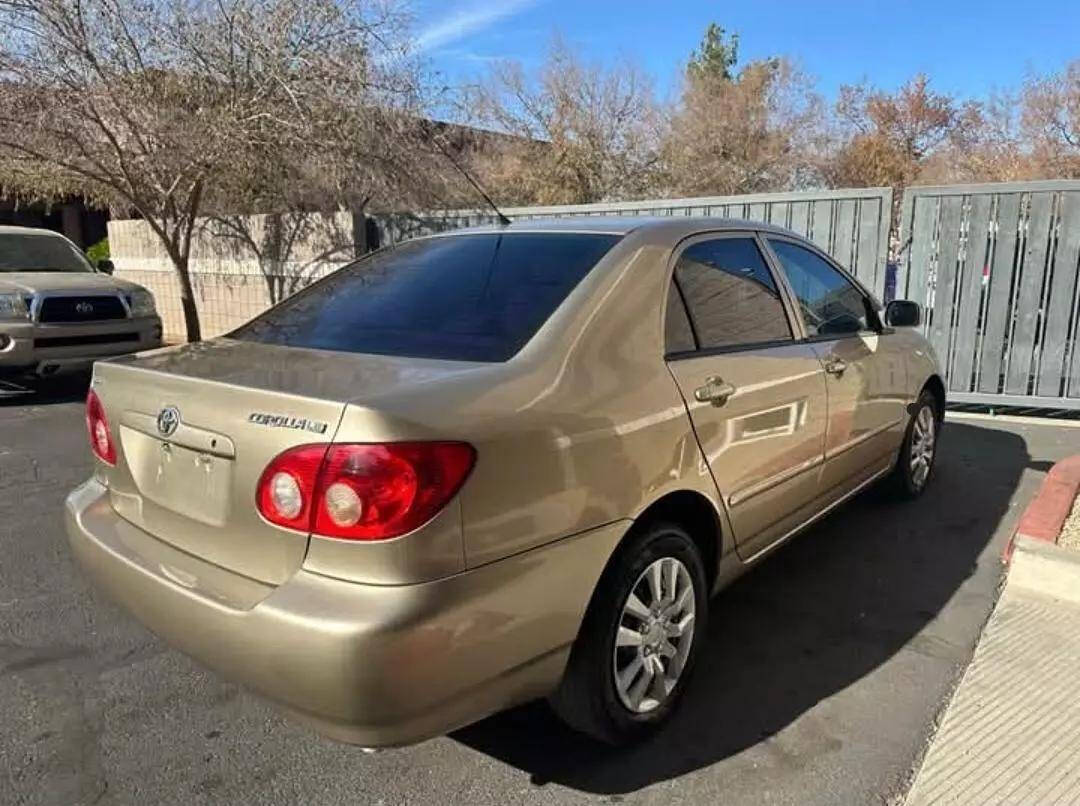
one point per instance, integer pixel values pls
(466, 20)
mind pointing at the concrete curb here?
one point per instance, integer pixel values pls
(1045, 569)
(1046, 513)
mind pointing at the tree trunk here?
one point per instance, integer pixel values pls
(187, 299)
(273, 259)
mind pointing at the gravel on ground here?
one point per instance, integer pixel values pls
(1070, 532)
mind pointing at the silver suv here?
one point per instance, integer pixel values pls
(57, 312)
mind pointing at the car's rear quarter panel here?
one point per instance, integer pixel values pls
(586, 426)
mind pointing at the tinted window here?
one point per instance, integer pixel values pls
(461, 297)
(678, 337)
(20, 252)
(830, 304)
(730, 294)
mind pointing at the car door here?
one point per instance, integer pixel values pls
(755, 394)
(867, 376)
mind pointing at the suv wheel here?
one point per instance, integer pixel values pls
(640, 637)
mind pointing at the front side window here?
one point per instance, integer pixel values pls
(33, 252)
(476, 297)
(731, 297)
(830, 304)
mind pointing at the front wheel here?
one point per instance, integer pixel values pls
(640, 637)
(915, 464)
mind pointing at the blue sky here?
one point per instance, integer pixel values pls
(968, 48)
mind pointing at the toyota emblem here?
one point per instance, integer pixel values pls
(84, 308)
(168, 420)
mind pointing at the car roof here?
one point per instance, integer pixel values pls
(676, 226)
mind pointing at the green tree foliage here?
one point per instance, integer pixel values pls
(716, 56)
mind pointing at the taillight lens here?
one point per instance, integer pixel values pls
(363, 491)
(97, 427)
(287, 487)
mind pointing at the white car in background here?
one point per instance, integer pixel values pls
(57, 312)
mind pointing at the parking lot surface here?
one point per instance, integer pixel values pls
(823, 675)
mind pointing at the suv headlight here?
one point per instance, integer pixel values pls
(141, 303)
(13, 306)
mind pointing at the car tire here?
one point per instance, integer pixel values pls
(915, 464)
(616, 689)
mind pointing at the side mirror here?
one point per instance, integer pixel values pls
(903, 313)
(106, 266)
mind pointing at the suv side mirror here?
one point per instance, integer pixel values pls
(903, 313)
(106, 266)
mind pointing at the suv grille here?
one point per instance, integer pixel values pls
(77, 341)
(81, 309)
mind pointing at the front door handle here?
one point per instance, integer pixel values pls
(836, 366)
(715, 390)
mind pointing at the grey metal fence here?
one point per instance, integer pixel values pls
(232, 286)
(850, 224)
(996, 267)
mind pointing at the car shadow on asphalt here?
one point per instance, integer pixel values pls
(66, 388)
(820, 614)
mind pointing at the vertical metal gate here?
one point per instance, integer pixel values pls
(996, 267)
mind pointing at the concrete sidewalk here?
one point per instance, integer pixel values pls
(1011, 734)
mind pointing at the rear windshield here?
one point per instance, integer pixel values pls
(39, 253)
(459, 297)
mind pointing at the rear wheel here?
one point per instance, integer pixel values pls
(915, 464)
(640, 637)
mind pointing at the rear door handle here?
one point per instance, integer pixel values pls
(715, 390)
(836, 366)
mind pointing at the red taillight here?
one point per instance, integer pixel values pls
(300, 467)
(362, 491)
(97, 427)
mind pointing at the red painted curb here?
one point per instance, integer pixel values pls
(1046, 513)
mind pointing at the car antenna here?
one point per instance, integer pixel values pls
(503, 220)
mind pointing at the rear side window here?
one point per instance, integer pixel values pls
(678, 335)
(460, 297)
(732, 299)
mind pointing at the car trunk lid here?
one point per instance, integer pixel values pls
(191, 449)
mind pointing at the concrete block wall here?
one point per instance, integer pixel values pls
(231, 283)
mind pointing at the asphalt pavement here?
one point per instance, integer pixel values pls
(824, 672)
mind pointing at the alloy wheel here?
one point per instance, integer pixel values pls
(654, 635)
(922, 446)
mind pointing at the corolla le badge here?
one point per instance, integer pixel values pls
(285, 421)
(168, 420)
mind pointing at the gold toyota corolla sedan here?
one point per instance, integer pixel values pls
(497, 464)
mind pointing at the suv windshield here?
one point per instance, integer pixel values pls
(39, 253)
(476, 297)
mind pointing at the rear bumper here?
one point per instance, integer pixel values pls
(376, 665)
(28, 346)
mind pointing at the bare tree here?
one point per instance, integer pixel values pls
(578, 132)
(989, 147)
(742, 134)
(291, 248)
(1050, 121)
(885, 138)
(174, 109)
